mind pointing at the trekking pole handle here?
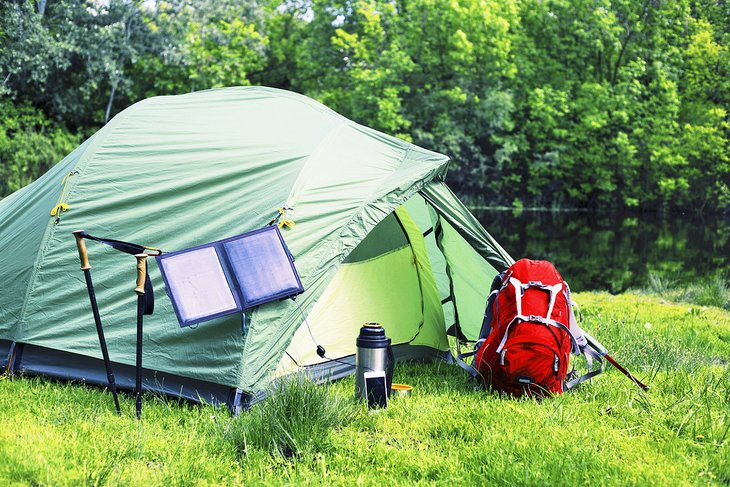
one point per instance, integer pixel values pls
(141, 273)
(83, 253)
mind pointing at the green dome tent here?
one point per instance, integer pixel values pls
(378, 237)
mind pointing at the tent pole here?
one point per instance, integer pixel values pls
(10, 360)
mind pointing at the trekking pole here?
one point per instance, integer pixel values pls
(596, 345)
(86, 267)
(139, 290)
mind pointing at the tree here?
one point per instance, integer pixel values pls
(29, 145)
(600, 103)
(196, 45)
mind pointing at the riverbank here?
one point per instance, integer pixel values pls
(607, 432)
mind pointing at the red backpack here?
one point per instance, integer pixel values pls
(529, 332)
(526, 338)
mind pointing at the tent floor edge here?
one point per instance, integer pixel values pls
(345, 366)
(67, 366)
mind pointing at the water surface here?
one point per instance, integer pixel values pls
(615, 251)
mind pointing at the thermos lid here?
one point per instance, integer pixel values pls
(401, 389)
(372, 335)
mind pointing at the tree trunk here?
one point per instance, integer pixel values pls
(41, 5)
(110, 102)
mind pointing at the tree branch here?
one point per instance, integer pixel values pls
(630, 34)
(110, 102)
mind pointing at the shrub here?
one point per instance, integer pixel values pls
(711, 291)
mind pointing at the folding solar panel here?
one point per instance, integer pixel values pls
(229, 276)
(263, 266)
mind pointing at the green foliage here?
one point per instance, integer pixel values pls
(71, 59)
(602, 104)
(29, 145)
(556, 103)
(715, 291)
(607, 432)
(196, 45)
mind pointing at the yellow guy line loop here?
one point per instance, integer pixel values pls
(61, 206)
(283, 222)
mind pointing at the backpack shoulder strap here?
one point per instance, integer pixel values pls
(488, 313)
(485, 330)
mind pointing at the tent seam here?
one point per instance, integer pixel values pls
(370, 200)
(49, 232)
(412, 189)
(370, 259)
(407, 151)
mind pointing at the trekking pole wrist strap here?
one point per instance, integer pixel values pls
(133, 249)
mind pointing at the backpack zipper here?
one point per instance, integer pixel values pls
(501, 357)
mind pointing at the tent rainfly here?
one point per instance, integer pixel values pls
(378, 237)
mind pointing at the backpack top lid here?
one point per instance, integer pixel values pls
(527, 270)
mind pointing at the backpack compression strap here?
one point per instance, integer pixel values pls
(582, 346)
(483, 334)
(486, 327)
(545, 320)
(133, 249)
(590, 354)
(592, 349)
(595, 349)
(459, 359)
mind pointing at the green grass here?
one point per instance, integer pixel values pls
(295, 419)
(607, 432)
(713, 291)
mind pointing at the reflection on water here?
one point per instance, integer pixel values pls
(615, 251)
